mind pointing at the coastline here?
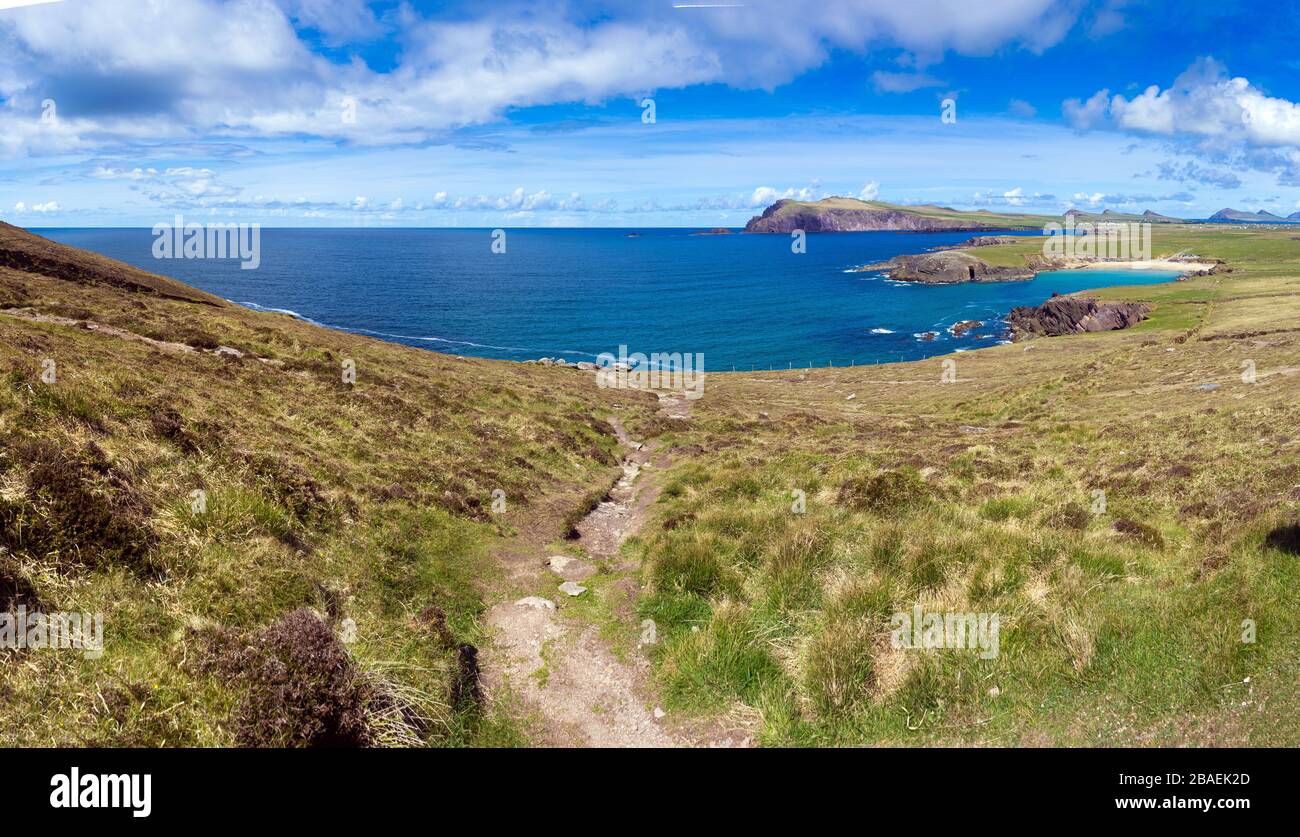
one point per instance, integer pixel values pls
(1006, 337)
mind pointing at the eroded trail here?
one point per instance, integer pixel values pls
(577, 689)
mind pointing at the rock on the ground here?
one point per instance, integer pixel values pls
(570, 569)
(536, 603)
(572, 588)
(1075, 315)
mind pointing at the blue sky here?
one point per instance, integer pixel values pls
(342, 112)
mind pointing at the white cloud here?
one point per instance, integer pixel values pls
(1086, 115)
(144, 72)
(1021, 108)
(765, 195)
(1225, 118)
(886, 82)
(1015, 196)
(869, 191)
(48, 206)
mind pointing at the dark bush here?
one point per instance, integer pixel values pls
(465, 689)
(1285, 539)
(1070, 516)
(887, 491)
(82, 509)
(168, 424)
(1148, 535)
(288, 484)
(15, 589)
(300, 686)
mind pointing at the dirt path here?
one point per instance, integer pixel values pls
(567, 676)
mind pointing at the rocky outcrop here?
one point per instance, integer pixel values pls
(978, 241)
(1074, 315)
(989, 240)
(953, 266)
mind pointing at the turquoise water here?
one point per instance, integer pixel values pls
(742, 300)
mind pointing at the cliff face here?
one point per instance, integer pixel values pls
(949, 267)
(1074, 315)
(786, 216)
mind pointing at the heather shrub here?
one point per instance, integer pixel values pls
(299, 685)
(80, 509)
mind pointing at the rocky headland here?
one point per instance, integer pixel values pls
(851, 215)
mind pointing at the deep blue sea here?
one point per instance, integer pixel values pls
(742, 300)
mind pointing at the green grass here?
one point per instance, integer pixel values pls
(1089, 490)
(370, 503)
(1120, 623)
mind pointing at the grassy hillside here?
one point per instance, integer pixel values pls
(370, 502)
(1121, 622)
(958, 219)
(978, 216)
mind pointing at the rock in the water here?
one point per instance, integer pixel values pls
(953, 266)
(958, 329)
(536, 603)
(572, 588)
(1075, 315)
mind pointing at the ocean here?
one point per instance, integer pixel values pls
(743, 301)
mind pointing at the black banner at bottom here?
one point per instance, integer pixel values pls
(209, 787)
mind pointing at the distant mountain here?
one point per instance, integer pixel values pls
(1240, 216)
(1111, 215)
(1294, 216)
(851, 215)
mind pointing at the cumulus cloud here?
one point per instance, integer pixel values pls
(870, 191)
(1224, 118)
(1012, 197)
(140, 72)
(22, 207)
(765, 195)
(1191, 172)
